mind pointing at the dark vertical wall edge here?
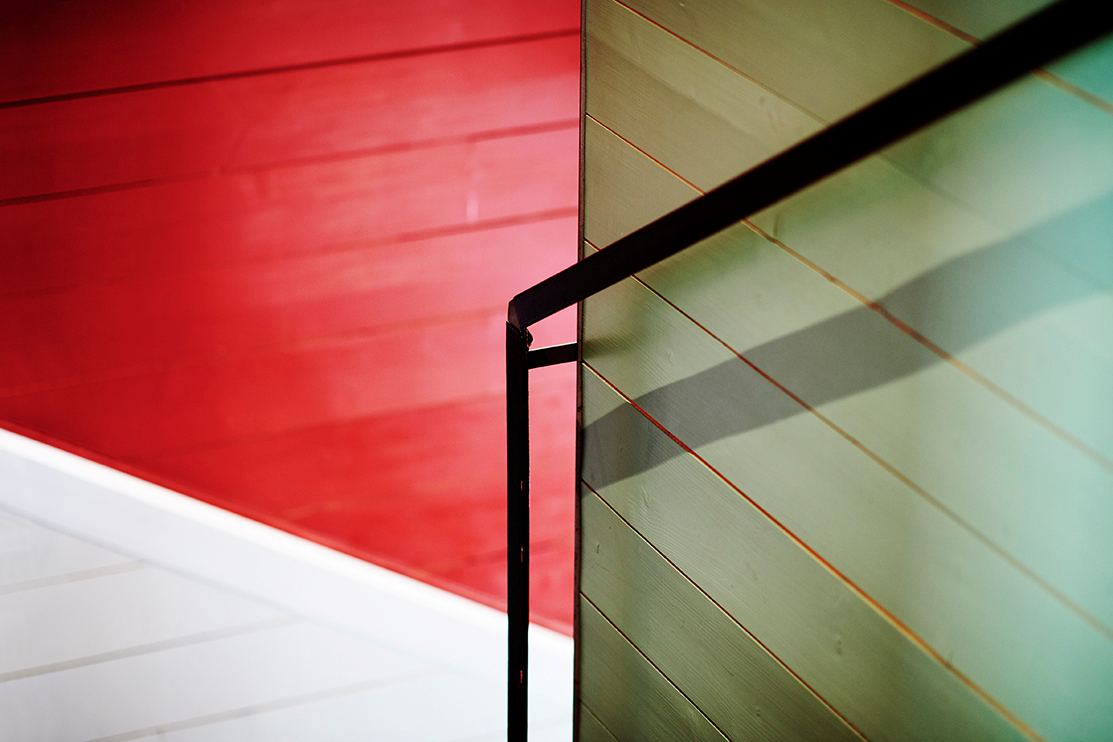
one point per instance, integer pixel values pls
(577, 659)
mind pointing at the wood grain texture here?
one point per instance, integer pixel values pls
(847, 651)
(63, 49)
(246, 123)
(226, 224)
(655, 91)
(969, 602)
(197, 315)
(116, 611)
(828, 58)
(313, 208)
(271, 392)
(971, 449)
(643, 705)
(621, 193)
(32, 556)
(196, 680)
(728, 675)
(467, 709)
(591, 729)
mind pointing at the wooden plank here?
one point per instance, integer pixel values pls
(196, 680)
(979, 19)
(869, 525)
(1023, 155)
(612, 208)
(32, 556)
(344, 378)
(1086, 68)
(466, 709)
(845, 649)
(61, 49)
(719, 667)
(591, 729)
(251, 122)
(412, 452)
(655, 90)
(93, 330)
(314, 208)
(828, 58)
(870, 377)
(644, 705)
(67, 622)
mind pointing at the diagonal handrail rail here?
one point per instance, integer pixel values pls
(1033, 42)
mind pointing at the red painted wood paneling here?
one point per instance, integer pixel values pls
(282, 289)
(283, 211)
(49, 49)
(246, 123)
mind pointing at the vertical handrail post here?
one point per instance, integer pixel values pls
(517, 527)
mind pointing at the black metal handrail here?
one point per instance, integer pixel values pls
(1034, 42)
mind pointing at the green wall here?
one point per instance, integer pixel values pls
(847, 468)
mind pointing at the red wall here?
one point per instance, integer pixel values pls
(260, 252)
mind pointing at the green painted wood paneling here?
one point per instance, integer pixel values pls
(908, 366)
(591, 729)
(657, 90)
(629, 696)
(980, 19)
(830, 57)
(971, 605)
(621, 193)
(728, 675)
(970, 449)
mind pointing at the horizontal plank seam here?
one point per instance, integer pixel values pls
(160, 646)
(292, 163)
(76, 576)
(280, 69)
(714, 58)
(261, 708)
(907, 481)
(1049, 77)
(260, 438)
(933, 21)
(1010, 399)
(1059, 82)
(1006, 396)
(585, 707)
(655, 161)
(911, 635)
(328, 249)
(308, 344)
(728, 614)
(653, 665)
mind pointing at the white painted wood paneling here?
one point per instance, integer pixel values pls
(128, 650)
(32, 556)
(133, 693)
(455, 709)
(66, 622)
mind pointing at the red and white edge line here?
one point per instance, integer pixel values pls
(132, 516)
